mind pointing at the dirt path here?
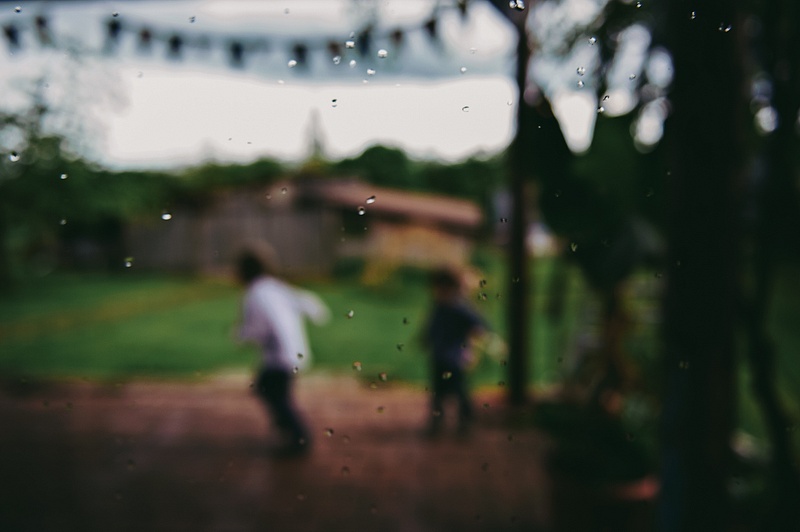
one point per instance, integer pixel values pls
(143, 456)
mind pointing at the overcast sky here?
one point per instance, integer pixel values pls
(450, 98)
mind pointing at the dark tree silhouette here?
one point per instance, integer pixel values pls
(705, 136)
(538, 148)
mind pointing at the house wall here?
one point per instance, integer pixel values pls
(208, 242)
(391, 245)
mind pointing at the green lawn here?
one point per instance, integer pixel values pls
(134, 325)
(127, 325)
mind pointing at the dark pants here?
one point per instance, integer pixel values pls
(449, 381)
(274, 388)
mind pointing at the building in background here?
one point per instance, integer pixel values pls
(313, 224)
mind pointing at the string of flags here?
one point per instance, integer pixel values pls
(238, 49)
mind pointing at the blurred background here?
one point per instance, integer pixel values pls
(618, 180)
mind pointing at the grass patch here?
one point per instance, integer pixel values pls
(128, 325)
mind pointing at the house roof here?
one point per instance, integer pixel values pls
(419, 207)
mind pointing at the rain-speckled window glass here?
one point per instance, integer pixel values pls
(399, 265)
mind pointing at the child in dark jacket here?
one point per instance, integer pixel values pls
(450, 327)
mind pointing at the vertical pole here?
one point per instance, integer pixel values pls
(518, 264)
(702, 300)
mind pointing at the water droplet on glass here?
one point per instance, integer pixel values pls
(383, 54)
(281, 82)
(128, 262)
(518, 5)
(192, 19)
(692, 15)
(580, 83)
(473, 50)
(350, 44)
(463, 70)
(725, 28)
(465, 108)
(380, 409)
(632, 77)
(361, 210)
(166, 216)
(18, 9)
(295, 370)
(370, 72)
(329, 432)
(606, 97)
(292, 63)
(13, 156)
(284, 190)
(400, 347)
(383, 376)
(446, 375)
(334, 102)
(485, 405)
(592, 41)
(115, 14)
(557, 193)
(350, 314)
(337, 59)
(503, 220)
(370, 200)
(581, 70)
(63, 221)
(573, 246)
(601, 109)
(405, 321)
(638, 5)
(64, 176)
(353, 63)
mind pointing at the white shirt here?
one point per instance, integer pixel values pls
(273, 317)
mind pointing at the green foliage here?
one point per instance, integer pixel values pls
(49, 197)
(194, 183)
(383, 166)
(606, 185)
(126, 324)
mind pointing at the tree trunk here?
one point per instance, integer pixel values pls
(518, 263)
(702, 300)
